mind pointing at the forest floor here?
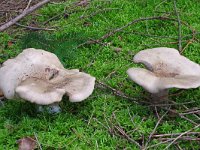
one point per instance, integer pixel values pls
(100, 37)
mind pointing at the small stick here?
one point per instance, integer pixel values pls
(174, 134)
(179, 147)
(154, 130)
(34, 28)
(191, 112)
(29, 2)
(37, 141)
(22, 15)
(160, 143)
(159, 105)
(192, 109)
(191, 121)
(119, 93)
(127, 25)
(179, 28)
(50, 19)
(122, 132)
(181, 136)
(156, 110)
(111, 33)
(195, 115)
(97, 12)
(194, 33)
(182, 116)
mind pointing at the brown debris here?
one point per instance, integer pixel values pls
(11, 8)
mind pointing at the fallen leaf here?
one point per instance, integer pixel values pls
(26, 143)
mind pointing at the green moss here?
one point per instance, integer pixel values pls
(86, 125)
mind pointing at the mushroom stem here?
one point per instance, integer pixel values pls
(51, 109)
(54, 108)
(1, 98)
(160, 97)
(1, 103)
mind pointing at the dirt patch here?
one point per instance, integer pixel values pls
(11, 8)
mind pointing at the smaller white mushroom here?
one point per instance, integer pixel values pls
(39, 77)
(166, 69)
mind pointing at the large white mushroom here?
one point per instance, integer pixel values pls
(38, 76)
(166, 69)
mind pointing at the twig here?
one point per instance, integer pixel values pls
(163, 142)
(174, 134)
(120, 93)
(160, 4)
(179, 147)
(192, 109)
(111, 33)
(127, 25)
(29, 2)
(191, 121)
(22, 15)
(174, 104)
(179, 28)
(52, 18)
(181, 136)
(122, 132)
(182, 116)
(154, 130)
(148, 35)
(194, 33)
(37, 141)
(100, 123)
(16, 11)
(97, 12)
(95, 55)
(195, 115)
(191, 112)
(156, 110)
(34, 28)
(160, 143)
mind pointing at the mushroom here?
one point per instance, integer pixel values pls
(1, 98)
(166, 69)
(38, 76)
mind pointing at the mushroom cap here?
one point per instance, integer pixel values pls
(39, 77)
(166, 69)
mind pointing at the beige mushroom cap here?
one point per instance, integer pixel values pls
(166, 69)
(39, 77)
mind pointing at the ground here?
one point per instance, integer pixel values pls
(104, 120)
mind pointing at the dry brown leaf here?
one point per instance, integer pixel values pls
(26, 143)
